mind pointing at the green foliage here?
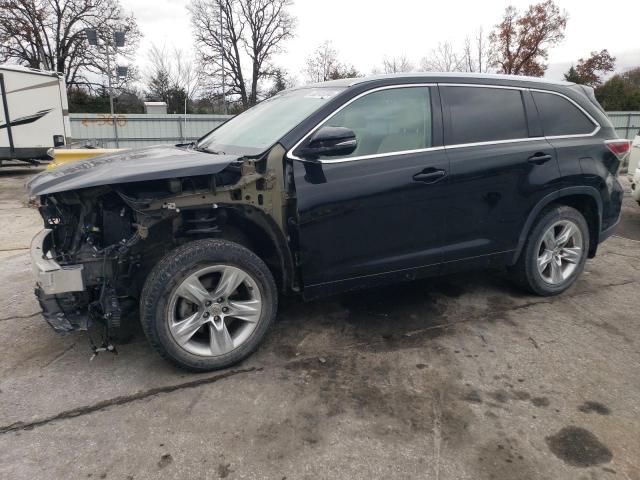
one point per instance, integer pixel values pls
(572, 75)
(82, 101)
(159, 86)
(344, 71)
(175, 99)
(162, 89)
(632, 77)
(128, 102)
(620, 93)
(280, 82)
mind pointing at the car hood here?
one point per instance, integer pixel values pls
(151, 163)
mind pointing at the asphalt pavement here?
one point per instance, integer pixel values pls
(462, 377)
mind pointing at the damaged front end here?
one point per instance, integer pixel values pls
(100, 242)
(85, 258)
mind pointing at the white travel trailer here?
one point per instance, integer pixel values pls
(34, 113)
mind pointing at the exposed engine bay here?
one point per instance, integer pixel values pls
(118, 232)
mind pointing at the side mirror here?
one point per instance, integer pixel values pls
(329, 142)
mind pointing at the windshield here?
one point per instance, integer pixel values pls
(258, 128)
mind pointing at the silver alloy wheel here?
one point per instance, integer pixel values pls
(214, 310)
(559, 252)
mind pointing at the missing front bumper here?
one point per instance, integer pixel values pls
(60, 314)
(55, 286)
(50, 276)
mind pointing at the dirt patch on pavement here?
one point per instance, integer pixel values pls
(578, 447)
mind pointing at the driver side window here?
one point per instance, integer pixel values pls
(387, 121)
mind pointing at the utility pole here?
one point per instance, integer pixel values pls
(107, 46)
(109, 79)
(118, 40)
(224, 96)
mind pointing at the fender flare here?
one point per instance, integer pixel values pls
(550, 198)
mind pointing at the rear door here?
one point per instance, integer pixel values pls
(378, 214)
(501, 166)
(571, 131)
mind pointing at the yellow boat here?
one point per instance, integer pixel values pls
(60, 156)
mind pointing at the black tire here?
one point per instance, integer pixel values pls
(525, 272)
(178, 265)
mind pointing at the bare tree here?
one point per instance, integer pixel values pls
(187, 72)
(397, 65)
(323, 65)
(218, 33)
(477, 54)
(269, 25)
(443, 59)
(50, 34)
(178, 66)
(521, 41)
(228, 32)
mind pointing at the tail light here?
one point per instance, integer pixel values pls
(619, 147)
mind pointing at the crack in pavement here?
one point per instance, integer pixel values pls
(126, 399)
(19, 317)
(122, 400)
(621, 255)
(59, 355)
(625, 238)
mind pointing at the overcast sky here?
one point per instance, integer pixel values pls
(366, 31)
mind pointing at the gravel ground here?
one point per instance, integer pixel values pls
(462, 377)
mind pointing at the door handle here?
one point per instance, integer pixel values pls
(539, 158)
(429, 175)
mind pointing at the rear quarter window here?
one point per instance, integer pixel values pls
(484, 114)
(561, 117)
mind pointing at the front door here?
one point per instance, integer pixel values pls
(378, 214)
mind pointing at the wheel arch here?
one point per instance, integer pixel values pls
(264, 238)
(585, 199)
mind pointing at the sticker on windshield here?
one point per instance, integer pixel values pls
(321, 93)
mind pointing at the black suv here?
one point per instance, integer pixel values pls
(321, 189)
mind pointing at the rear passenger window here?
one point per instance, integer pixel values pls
(479, 114)
(561, 117)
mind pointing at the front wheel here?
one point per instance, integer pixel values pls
(555, 252)
(208, 304)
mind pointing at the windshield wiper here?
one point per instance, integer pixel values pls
(204, 149)
(198, 148)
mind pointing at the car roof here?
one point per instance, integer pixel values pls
(437, 76)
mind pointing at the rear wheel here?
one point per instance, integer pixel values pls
(555, 252)
(208, 304)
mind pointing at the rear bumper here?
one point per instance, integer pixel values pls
(50, 276)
